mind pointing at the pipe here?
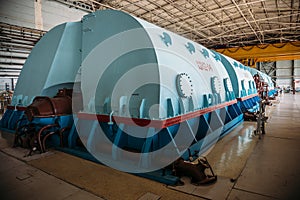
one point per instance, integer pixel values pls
(110, 118)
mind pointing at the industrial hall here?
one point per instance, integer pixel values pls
(150, 100)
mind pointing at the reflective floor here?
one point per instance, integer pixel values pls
(229, 156)
(273, 169)
(247, 168)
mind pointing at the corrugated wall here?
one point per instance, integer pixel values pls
(18, 12)
(26, 13)
(286, 72)
(297, 74)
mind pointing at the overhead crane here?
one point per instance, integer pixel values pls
(250, 55)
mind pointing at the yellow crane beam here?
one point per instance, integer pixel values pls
(249, 55)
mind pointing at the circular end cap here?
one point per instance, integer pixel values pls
(184, 85)
(216, 84)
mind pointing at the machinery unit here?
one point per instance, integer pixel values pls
(43, 118)
(267, 82)
(243, 84)
(52, 65)
(142, 96)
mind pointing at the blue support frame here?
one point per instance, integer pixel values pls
(203, 131)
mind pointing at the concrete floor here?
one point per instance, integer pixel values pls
(247, 168)
(273, 168)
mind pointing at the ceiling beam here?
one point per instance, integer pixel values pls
(247, 21)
